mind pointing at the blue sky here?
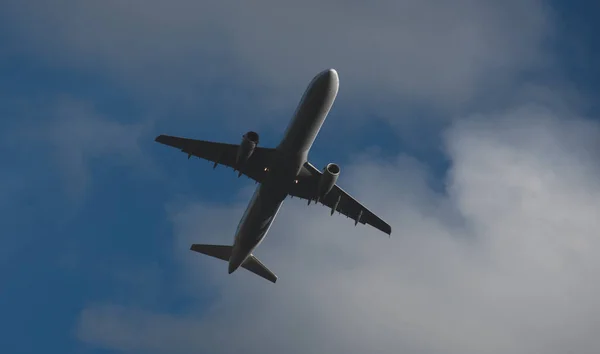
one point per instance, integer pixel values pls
(90, 204)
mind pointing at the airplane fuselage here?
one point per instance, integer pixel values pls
(291, 154)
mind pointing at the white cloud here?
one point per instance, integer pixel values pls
(505, 262)
(75, 133)
(434, 52)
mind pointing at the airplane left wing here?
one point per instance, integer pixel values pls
(222, 153)
(337, 199)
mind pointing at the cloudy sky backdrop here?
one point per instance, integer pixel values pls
(472, 126)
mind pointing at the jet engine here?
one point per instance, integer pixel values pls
(331, 172)
(247, 146)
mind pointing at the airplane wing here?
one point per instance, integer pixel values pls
(222, 153)
(337, 199)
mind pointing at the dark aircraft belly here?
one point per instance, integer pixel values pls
(260, 218)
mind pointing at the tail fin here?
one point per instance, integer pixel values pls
(224, 253)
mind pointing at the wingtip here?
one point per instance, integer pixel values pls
(158, 138)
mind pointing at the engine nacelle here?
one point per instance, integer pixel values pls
(247, 146)
(331, 172)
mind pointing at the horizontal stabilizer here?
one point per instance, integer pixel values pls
(217, 251)
(224, 253)
(255, 266)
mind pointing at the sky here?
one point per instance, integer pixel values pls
(471, 126)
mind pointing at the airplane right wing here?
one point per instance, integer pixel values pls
(222, 153)
(337, 199)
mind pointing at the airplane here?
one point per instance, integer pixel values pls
(279, 172)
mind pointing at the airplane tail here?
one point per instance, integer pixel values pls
(224, 253)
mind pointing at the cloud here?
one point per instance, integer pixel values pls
(53, 148)
(69, 134)
(502, 261)
(415, 52)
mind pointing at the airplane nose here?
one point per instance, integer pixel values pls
(322, 90)
(328, 79)
(330, 74)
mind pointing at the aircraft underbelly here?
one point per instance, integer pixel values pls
(258, 219)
